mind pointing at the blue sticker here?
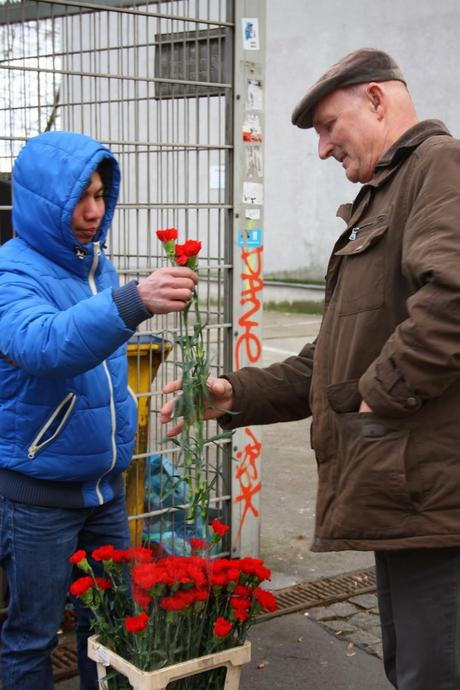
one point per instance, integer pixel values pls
(250, 237)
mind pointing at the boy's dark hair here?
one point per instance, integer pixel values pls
(105, 171)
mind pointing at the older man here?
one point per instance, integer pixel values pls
(382, 381)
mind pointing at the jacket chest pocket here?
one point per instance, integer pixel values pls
(361, 285)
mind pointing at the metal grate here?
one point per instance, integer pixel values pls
(322, 592)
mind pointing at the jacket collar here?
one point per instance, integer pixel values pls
(389, 164)
(409, 141)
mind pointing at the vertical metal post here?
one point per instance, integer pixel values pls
(249, 86)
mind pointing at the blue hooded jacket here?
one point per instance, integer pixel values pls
(67, 418)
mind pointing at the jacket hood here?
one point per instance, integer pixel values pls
(49, 176)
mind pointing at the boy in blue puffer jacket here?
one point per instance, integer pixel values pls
(67, 419)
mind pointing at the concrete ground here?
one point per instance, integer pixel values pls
(321, 649)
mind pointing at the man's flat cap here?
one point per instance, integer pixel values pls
(361, 66)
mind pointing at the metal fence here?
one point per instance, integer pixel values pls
(154, 82)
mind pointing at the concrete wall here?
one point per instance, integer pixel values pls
(304, 38)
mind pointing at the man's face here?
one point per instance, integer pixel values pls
(89, 211)
(349, 130)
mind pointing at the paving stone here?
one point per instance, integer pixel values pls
(364, 620)
(339, 626)
(376, 629)
(377, 649)
(341, 609)
(364, 639)
(365, 601)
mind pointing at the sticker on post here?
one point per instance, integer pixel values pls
(250, 33)
(254, 161)
(253, 193)
(252, 213)
(252, 130)
(254, 97)
(250, 238)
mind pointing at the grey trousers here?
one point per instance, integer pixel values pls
(419, 603)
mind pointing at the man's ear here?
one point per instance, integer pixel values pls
(375, 95)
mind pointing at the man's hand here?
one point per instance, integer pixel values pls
(168, 289)
(364, 407)
(221, 393)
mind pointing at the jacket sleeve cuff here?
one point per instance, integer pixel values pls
(386, 392)
(130, 306)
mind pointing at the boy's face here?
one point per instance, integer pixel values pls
(89, 211)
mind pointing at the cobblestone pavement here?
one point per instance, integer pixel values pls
(355, 621)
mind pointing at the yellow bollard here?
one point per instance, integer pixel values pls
(145, 354)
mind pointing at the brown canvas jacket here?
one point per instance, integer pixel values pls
(390, 335)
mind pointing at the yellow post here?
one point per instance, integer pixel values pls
(145, 354)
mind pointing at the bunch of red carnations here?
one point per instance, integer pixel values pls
(157, 613)
(198, 474)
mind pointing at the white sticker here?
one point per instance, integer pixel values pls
(255, 95)
(217, 176)
(253, 193)
(250, 34)
(254, 161)
(252, 213)
(102, 656)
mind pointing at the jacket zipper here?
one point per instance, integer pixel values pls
(357, 228)
(93, 287)
(36, 446)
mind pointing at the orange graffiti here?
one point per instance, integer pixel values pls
(249, 347)
(252, 277)
(247, 475)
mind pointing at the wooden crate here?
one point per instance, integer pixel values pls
(232, 659)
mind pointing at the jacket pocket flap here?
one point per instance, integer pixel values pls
(344, 396)
(366, 236)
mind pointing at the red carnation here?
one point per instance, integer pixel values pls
(120, 556)
(103, 553)
(168, 235)
(141, 598)
(104, 582)
(219, 527)
(222, 627)
(182, 260)
(201, 594)
(189, 248)
(136, 624)
(140, 554)
(186, 253)
(233, 574)
(242, 591)
(266, 599)
(79, 587)
(176, 603)
(198, 544)
(240, 603)
(77, 557)
(218, 580)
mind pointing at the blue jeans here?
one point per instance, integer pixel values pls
(419, 603)
(35, 545)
